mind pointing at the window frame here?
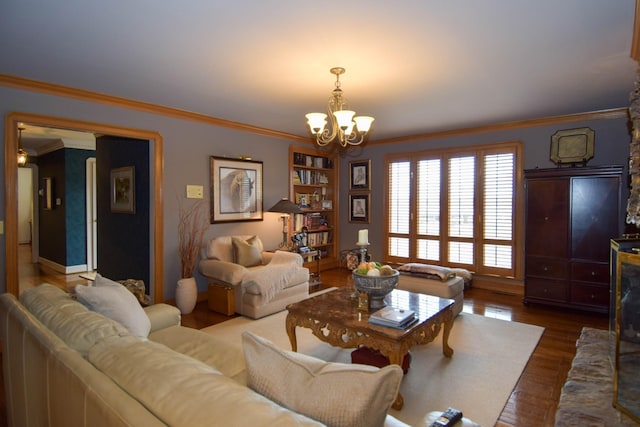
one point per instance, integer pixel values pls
(478, 239)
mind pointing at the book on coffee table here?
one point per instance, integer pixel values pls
(393, 317)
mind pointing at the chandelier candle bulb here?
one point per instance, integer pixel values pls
(363, 237)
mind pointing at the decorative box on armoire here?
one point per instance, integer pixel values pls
(571, 214)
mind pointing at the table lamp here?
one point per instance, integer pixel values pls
(286, 208)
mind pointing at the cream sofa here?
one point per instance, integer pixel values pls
(263, 282)
(67, 366)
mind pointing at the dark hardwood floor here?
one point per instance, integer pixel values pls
(534, 399)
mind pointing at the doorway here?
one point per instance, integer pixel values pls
(11, 197)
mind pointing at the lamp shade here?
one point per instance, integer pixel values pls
(363, 123)
(285, 206)
(317, 122)
(344, 118)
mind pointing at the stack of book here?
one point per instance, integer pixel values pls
(393, 317)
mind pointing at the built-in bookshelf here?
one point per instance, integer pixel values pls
(314, 187)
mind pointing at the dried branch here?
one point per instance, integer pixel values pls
(193, 221)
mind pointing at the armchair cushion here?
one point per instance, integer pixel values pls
(247, 252)
(222, 271)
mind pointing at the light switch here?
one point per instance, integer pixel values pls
(195, 192)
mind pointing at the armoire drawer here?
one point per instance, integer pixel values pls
(547, 267)
(590, 272)
(554, 290)
(593, 295)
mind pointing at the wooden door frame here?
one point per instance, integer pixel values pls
(11, 189)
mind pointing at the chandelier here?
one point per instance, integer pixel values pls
(344, 128)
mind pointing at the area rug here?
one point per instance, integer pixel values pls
(489, 356)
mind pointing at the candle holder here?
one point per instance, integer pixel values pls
(363, 258)
(363, 251)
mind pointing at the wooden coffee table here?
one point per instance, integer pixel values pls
(333, 317)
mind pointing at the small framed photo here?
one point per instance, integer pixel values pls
(236, 190)
(360, 175)
(359, 208)
(123, 190)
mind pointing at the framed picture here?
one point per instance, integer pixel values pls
(360, 175)
(47, 193)
(236, 190)
(359, 207)
(572, 146)
(123, 190)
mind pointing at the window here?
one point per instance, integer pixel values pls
(454, 207)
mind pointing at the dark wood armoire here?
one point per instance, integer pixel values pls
(571, 216)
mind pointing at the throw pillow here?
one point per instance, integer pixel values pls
(103, 281)
(117, 303)
(247, 252)
(429, 271)
(336, 394)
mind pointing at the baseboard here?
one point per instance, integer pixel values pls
(64, 269)
(507, 286)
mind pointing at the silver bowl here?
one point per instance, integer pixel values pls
(376, 287)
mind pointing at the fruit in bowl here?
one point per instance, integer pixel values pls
(374, 269)
(376, 280)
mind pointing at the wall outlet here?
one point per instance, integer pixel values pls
(195, 191)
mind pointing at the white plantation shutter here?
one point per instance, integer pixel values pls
(464, 208)
(498, 209)
(461, 194)
(428, 218)
(399, 176)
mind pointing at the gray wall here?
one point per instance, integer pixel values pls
(188, 145)
(611, 147)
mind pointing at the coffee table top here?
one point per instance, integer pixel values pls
(338, 307)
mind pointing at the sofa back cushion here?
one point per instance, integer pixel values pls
(72, 322)
(182, 391)
(49, 384)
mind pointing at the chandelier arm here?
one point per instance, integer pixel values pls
(356, 138)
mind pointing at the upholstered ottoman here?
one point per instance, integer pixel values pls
(443, 284)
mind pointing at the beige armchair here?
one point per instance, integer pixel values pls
(263, 282)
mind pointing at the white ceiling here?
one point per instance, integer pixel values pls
(417, 66)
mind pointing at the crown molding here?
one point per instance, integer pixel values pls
(614, 113)
(115, 101)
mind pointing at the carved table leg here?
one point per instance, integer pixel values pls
(448, 324)
(396, 358)
(291, 331)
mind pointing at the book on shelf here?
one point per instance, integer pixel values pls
(393, 317)
(302, 159)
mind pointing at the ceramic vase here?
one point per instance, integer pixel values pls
(186, 295)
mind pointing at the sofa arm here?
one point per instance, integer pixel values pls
(162, 316)
(222, 271)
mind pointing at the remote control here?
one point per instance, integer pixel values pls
(448, 418)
